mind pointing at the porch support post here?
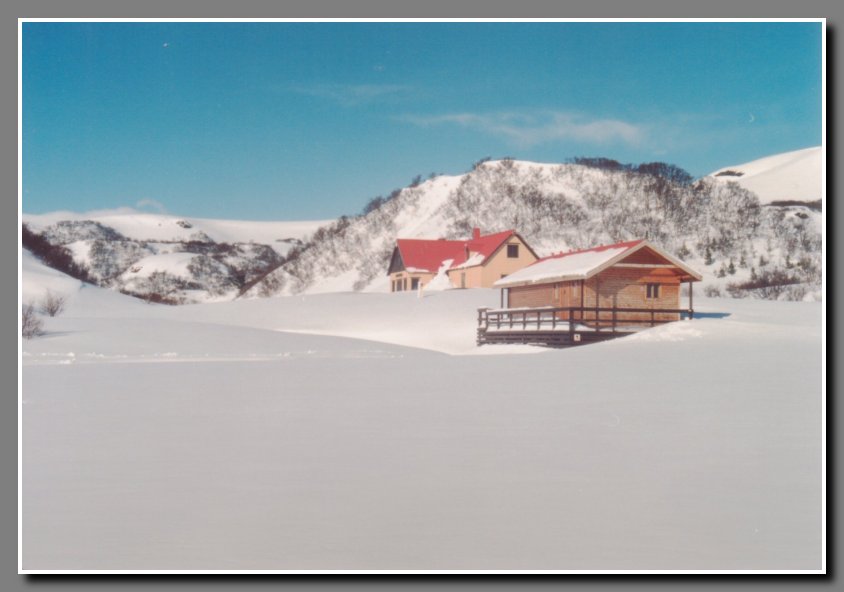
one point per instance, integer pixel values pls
(582, 297)
(502, 298)
(691, 303)
(597, 303)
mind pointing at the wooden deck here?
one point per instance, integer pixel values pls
(568, 326)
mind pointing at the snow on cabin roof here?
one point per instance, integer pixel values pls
(581, 264)
(428, 255)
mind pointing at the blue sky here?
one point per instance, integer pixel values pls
(293, 121)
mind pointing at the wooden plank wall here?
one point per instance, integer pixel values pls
(619, 287)
(532, 296)
(627, 288)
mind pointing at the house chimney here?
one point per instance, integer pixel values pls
(476, 233)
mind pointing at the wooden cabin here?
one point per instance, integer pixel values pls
(625, 282)
(477, 262)
(588, 296)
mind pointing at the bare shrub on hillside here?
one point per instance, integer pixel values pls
(31, 324)
(161, 287)
(271, 284)
(55, 256)
(52, 304)
(769, 284)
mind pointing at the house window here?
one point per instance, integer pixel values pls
(414, 283)
(512, 251)
(653, 290)
(462, 279)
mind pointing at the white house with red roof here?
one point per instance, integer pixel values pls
(629, 275)
(476, 262)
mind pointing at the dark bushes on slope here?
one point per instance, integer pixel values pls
(55, 256)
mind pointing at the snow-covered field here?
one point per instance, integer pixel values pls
(362, 431)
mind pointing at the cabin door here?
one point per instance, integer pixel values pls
(565, 296)
(563, 299)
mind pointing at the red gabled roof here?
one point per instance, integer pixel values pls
(485, 246)
(426, 254)
(429, 254)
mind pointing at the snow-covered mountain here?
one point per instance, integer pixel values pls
(142, 226)
(718, 227)
(791, 176)
(169, 258)
(743, 244)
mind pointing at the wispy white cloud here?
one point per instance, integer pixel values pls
(525, 129)
(350, 95)
(151, 204)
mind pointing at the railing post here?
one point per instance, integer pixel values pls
(613, 318)
(483, 317)
(524, 320)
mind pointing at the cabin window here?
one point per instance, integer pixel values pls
(414, 283)
(653, 290)
(512, 251)
(462, 279)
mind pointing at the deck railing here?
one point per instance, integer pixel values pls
(573, 318)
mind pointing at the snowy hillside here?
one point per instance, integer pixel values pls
(38, 279)
(168, 258)
(719, 228)
(792, 176)
(742, 247)
(141, 226)
(332, 431)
